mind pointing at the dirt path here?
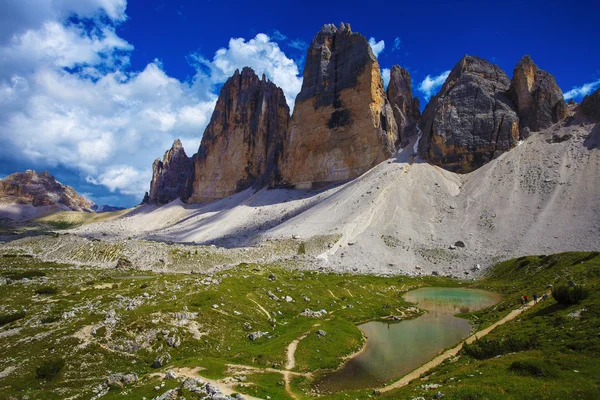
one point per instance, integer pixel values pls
(260, 307)
(223, 386)
(453, 351)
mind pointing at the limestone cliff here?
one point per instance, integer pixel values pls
(343, 124)
(591, 105)
(407, 109)
(536, 95)
(243, 140)
(170, 175)
(43, 189)
(472, 120)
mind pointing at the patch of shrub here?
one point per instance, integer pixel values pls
(568, 295)
(50, 319)
(143, 286)
(46, 290)
(17, 276)
(50, 369)
(534, 368)
(8, 318)
(484, 349)
(302, 248)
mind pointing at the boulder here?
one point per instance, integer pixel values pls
(243, 140)
(406, 108)
(539, 100)
(170, 176)
(342, 124)
(471, 120)
(591, 105)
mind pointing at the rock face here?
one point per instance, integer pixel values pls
(43, 189)
(343, 124)
(539, 100)
(169, 176)
(472, 120)
(591, 105)
(243, 140)
(407, 109)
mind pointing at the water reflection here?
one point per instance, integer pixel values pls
(393, 350)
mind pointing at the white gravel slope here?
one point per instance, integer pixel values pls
(403, 215)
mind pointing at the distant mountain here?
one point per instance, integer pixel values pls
(41, 189)
(106, 208)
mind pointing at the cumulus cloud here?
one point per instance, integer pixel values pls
(261, 54)
(376, 46)
(582, 91)
(69, 98)
(385, 75)
(430, 84)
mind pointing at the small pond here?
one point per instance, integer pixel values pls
(394, 349)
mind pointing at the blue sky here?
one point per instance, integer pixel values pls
(94, 90)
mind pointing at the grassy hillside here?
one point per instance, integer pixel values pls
(564, 358)
(72, 219)
(65, 329)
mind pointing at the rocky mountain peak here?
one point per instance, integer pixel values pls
(41, 189)
(170, 175)
(539, 100)
(407, 109)
(472, 119)
(591, 105)
(243, 140)
(343, 124)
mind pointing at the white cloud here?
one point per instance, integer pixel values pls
(123, 178)
(68, 97)
(385, 75)
(430, 84)
(397, 44)
(376, 46)
(582, 91)
(260, 54)
(18, 16)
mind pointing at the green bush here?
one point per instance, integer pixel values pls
(50, 319)
(568, 295)
(534, 368)
(302, 248)
(483, 349)
(8, 318)
(50, 369)
(46, 290)
(17, 276)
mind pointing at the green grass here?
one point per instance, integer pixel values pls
(562, 361)
(548, 352)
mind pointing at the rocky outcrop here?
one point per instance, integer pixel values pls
(343, 124)
(43, 189)
(407, 109)
(472, 120)
(539, 100)
(170, 176)
(591, 105)
(243, 140)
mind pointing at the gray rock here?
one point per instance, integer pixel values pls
(169, 176)
(256, 335)
(406, 108)
(472, 120)
(591, 105)
(170, 394)
(321, 333)
(161, 360)
(539, 100)
(170, 375)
